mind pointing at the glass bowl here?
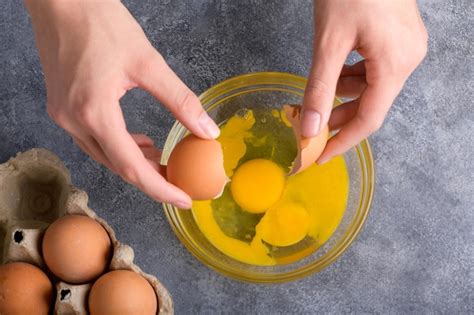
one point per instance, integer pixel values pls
(272, 89)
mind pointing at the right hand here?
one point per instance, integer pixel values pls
(92, 53)
(391, 37)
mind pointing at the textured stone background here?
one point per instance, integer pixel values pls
(415, 254)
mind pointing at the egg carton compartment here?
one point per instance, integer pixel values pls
(71, 299)
(34, 186)
(22, 242)
(35, 190)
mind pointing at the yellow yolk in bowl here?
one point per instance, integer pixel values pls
(257, 185)
(265, 217)
(284, 225)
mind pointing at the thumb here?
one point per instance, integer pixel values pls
(156, 77)
(321, 87)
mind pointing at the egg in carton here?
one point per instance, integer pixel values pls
(35, 190)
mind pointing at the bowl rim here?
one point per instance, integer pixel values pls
(366, 161)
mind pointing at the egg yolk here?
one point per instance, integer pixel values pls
(284, 225)
(296, 221)
(257, 185)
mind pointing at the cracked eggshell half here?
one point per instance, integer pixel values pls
(309, 149)
(197, 167)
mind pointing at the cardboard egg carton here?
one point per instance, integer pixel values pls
(35, 190)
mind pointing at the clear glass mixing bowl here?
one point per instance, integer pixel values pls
(272, 89)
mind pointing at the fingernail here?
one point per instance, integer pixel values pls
(310, 122)
(208, 125)
(183, 204)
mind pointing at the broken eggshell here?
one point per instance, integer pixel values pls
(308, 149)
(197, 167)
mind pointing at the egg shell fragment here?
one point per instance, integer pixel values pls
(197, 167)
(309, 149)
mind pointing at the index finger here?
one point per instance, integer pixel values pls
(160, 80)
(129, 161)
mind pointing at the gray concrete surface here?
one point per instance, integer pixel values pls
(415, 254)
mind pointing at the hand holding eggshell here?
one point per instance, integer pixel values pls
(197, 167)
(309, 149)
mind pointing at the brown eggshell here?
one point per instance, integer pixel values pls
(24, 289)
(122, 292)
(309, 149)
(197, 167)
(76, 248)
(39, 175)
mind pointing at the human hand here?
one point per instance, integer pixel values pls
(92, 53)
(391, 37)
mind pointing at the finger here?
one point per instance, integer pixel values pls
(320, 90)
(158, 167)
(351, 87)
(155, 165)
(374, 105)
(142, 140)
(86, 150)
(86, 143)
(357, 69)
(129, 161)
(89, 146)
(343, 114)
(152, 153)
(156, 77)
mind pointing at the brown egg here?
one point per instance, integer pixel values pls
(76, 248)
(197, 167)
(122, 292)
(24, 289)
(309, 149)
